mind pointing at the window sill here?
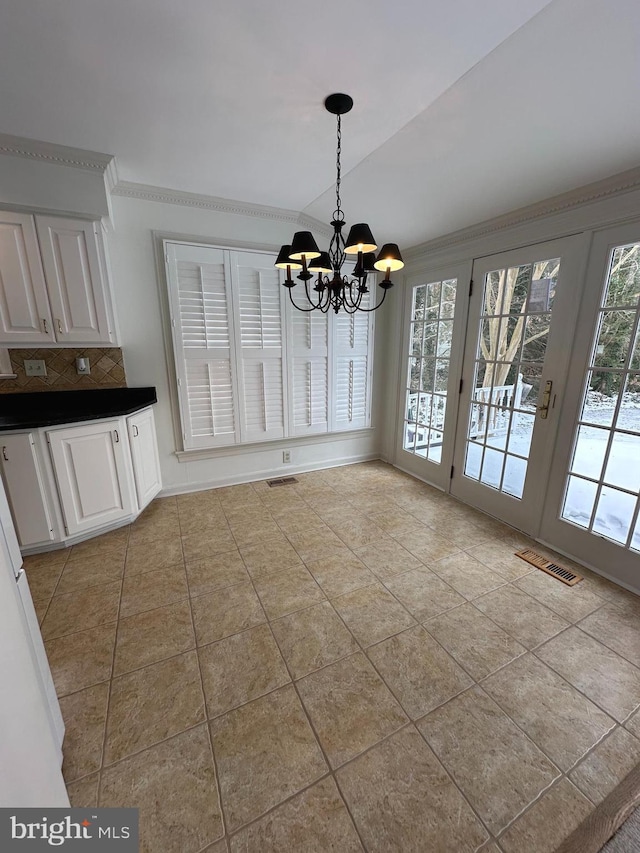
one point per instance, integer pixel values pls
(258, 447)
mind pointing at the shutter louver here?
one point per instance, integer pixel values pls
(352, 368)
(309, 374)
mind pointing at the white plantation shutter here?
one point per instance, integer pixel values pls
(352, 356)
(308, 372)
(257, 300)
(203, 344)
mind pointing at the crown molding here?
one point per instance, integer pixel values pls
(163, 195)
(61, 155)
(619, 184)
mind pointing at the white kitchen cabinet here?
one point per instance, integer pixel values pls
(75, 279)
(144, 455)
(24, 482)
(53, 283)
(92, 466)
(25, 316)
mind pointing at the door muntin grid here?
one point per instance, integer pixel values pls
(430, 336)
(602, 486)
(517, 304)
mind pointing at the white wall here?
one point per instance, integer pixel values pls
(138, 286)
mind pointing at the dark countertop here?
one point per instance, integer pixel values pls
(49, 408)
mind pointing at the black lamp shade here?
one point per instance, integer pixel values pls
(283, 261)
(360, 239)
(321, 264)
(389, 258)
(303, 245)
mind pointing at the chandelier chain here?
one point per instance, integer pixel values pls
(338, 214)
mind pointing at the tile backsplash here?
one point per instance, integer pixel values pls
(107, 370)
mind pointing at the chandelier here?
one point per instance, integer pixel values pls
(333, 289)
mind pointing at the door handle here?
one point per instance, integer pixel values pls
(115, 432)
(135, 431)
(543, 409)
(60, 329)
(4, 453)
(45, 326)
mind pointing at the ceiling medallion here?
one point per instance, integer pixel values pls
(333, 289)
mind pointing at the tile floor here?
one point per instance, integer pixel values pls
(354, 662)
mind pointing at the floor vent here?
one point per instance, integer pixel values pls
(283, 481)
(540, 562)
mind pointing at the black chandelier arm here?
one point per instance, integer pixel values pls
(357, 307)
(297, 307)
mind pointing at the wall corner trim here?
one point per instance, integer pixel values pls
(60, 155)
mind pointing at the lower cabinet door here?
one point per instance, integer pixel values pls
(92, 468)
(144, 453)
(25, 490)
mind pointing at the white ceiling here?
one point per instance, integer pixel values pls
(463, 110)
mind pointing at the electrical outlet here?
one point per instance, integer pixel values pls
(35, 367)
(286, 456)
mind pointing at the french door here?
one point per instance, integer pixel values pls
(519, 332)
(593, 506)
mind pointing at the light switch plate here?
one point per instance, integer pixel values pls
(35, 367)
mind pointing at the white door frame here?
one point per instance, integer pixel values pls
(524, 514)
(435, 473)
(593, 550)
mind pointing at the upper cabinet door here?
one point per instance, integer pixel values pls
(74, 274)
(25, 317)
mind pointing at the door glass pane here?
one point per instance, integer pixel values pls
(610, 454)
(431, 332)
(512, 343)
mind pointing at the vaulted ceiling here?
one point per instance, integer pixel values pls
(463, 110)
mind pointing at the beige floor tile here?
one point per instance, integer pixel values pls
(316, 542)
(350, 708)
(216, 572)
(357, 532)
(85, 715)
(265, 752)
(226, 612)
(608, 764)
(41, 608)
(152, 704)
(157, 554)
(402, 800)
(237, 496)
(618, 628)
(423, 593)
(287, 591)
(387, 558)
(240, 668)
(556, 814)
(83, 793)
(303, 519)
(78, 611)
(46, 560)
(372, 614)
(148, 534)
(633, 724)
(43, 578)
(272, 555)
(418, 670)
(312, 638)
(80, 660)
(607, 679)
(114, 541)
(198, 546)
(204, 521)
(427, 545)
(247, 516)
(467, 575)
(561, 721)
(497, 767)
(83, 572)
(476, 642)
(315, 821)
(461, 531)
(500, 556)
(522, 616)
(570, 602)
(395, 520)
(153, 589)
(249, 533)
(153, 636)
(190, 501)
(174, 786)
(341, 572)
(218, 847)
